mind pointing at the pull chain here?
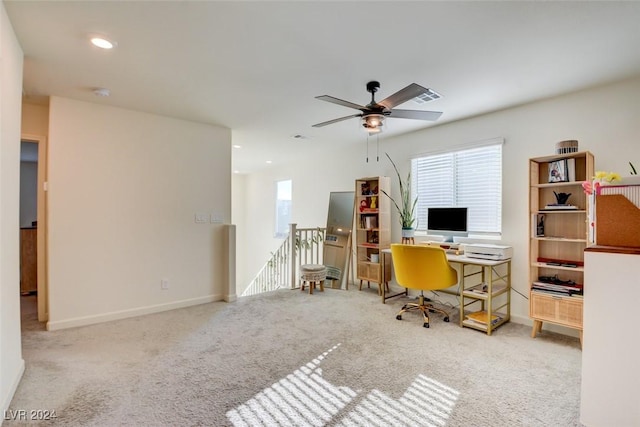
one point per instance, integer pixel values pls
(367, 148)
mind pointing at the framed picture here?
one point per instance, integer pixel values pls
(558, 171)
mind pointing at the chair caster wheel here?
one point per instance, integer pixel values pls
(398, 317)
(426, 325)
(446, 319)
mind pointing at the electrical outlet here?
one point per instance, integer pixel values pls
(164, 284)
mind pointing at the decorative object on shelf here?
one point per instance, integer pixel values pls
(558, 171)
(539, 221)
(566, 147)
(407, 207)
(364, 188)
(562, 198)
(374, 202)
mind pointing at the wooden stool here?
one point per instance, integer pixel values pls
(408, 241)
(314, 274)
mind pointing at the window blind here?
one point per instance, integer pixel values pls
(469, 178)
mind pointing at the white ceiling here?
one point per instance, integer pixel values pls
(255, 67)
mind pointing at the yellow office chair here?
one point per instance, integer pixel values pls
(424, 268)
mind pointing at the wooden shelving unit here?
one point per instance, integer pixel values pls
(564, 238)
(373, 233)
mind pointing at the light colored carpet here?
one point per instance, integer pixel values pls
(289, 358)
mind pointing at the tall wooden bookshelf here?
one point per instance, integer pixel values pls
(373, 229)
(559, 234)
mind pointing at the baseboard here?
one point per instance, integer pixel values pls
(231, 298)
(6, 401)
(124, 314)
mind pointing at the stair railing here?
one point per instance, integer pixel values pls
(282, 269)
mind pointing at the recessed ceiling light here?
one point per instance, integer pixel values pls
(236, 171)
(237, 146)
(269, 162)
(102, 43)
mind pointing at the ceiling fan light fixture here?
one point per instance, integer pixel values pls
(373, 123)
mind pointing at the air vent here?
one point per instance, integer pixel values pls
(428, 95)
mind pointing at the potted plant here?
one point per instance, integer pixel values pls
(406, 207)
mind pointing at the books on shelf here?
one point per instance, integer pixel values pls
(370, 222)
(571, 169)
(369, 245)
(558, 207)
(481, 318)
(558, 289)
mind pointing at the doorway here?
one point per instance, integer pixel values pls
(33, 265)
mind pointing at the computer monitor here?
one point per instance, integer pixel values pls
(448, 222)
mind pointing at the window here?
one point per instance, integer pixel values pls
(283, 208)
(469, 178)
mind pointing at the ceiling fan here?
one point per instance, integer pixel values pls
(374, 113)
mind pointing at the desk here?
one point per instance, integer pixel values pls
(495, 274)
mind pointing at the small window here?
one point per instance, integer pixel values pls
(469, 178)
(283, 208)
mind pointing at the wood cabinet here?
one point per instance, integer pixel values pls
(559, 234)
(28, 260)
(373, 233)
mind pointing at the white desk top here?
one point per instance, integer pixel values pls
(464, 259)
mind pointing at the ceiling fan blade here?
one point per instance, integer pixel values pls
(415, 114)
(402, 96)
(340, 102)
(329, 122)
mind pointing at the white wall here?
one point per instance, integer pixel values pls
(238, 216)
(603, 120)
(11, 363)
(124, 189)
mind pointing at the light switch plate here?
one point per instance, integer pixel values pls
(216, 218)
(201, 218)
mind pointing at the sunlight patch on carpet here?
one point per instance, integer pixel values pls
(305, 398)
